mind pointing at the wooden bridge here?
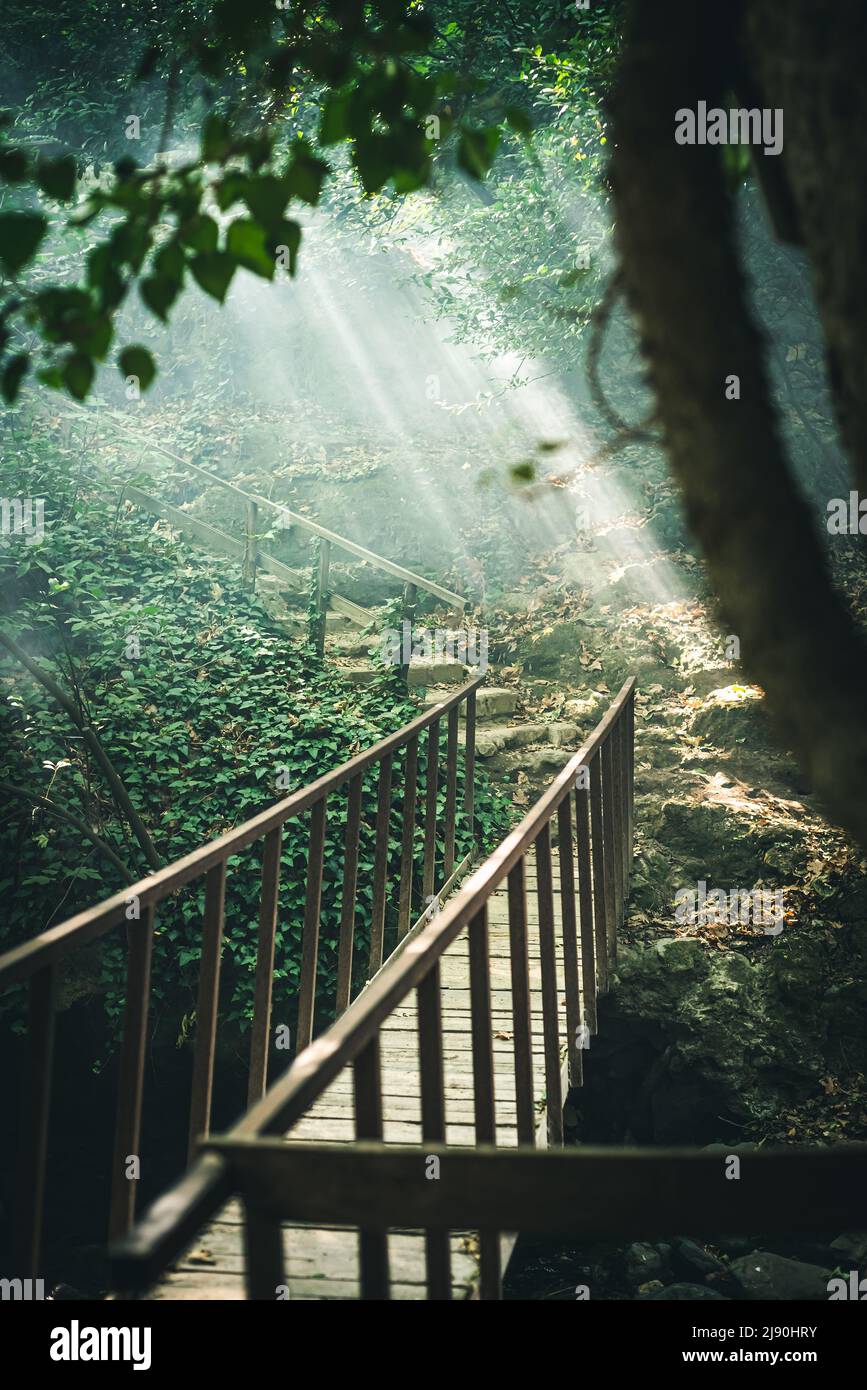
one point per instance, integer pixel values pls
(411, 1139)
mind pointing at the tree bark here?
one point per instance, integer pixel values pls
(686, 286)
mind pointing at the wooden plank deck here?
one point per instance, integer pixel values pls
(322, 1263)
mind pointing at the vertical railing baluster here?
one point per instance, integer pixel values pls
(618, 829)
(433, 1117)
(612, 889)
(380, 865)
(35, 1111)
(482, 1031)
(407, 848)
(470, 764)
(310, 938)
(206, 1006)
(522, 1034)
(626, 853)
(548, 964)
(347, 906)
(585, 909)
(451, 794)
(410, 597)
(600, 909)
(484, 1104)
(251, 543)
(263, 1248)
(570, 939)
(372, 1244)
(130, 1082)
(264, 984)
(430, 814)
(322, 576)
(630, 778)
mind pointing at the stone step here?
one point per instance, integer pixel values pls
(275, 586)
(295, 622)
(501, 738)
(539, 764)
(358, 675)
(425, 673)
(492, 702)
(349, 644)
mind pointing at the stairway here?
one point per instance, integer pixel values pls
(513, 747)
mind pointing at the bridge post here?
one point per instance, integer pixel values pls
(251, 546)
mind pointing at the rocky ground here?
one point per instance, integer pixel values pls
(716, 1031)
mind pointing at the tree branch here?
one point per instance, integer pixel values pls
(70, 819)
(119, 791)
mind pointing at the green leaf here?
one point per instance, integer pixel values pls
(78, 374)
(200, 233)
(213, 270)
(245, 240)
(305, 178)
(216, 139)
(523, 472)
(371, 157)
(20, 235)
(333, 125)
(159, 293)
(136, 361)
(284, 243)
(13, 375)
(266, 197)
(13, 165)
(476, 150)
(519, 120)
(57, 177)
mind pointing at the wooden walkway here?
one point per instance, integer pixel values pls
(323, 1263)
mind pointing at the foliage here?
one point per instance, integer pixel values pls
(201, 702)
(278, 87)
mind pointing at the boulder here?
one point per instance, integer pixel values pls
(762, 1275)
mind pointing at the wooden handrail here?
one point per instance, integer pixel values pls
(22, 961)
(586, 1193)
(592, 1192)
(37, 961)
(456, 601)
(160, 1236)
(319, 1064)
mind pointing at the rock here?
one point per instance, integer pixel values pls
(732, 1037)
(676, 1293)
(680, 953)
(498, 738)
(492, 701)
(583, 709)
(767, 1276)
(852, 1245)
(641, 1263)
(652, 1286)
(434, 673)
(733, 715)
(691, 1261)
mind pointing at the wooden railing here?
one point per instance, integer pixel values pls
(591, 803)
(249, 551)
(38, 963)
(585, 1193)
